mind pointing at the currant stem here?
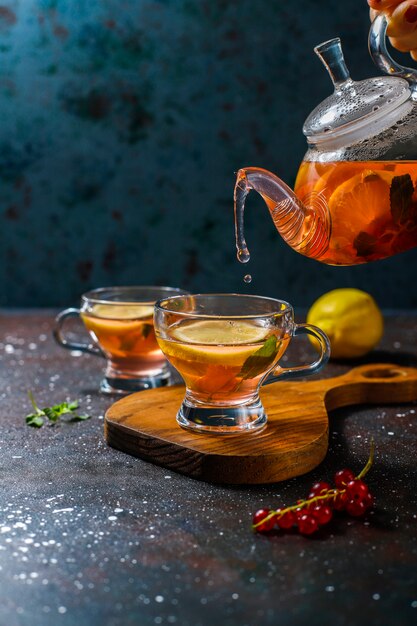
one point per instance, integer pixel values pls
(327, 495)
(369, 463)
(330, 493)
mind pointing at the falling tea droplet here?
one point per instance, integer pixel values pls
(247, 278)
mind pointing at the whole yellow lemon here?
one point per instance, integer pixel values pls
(351, 319)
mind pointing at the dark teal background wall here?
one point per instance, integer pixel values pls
(122, 123)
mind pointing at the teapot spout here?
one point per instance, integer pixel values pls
(303, 226)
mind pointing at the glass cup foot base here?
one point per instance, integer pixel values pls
(222, 420)
(124, 386)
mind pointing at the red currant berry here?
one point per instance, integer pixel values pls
(357, 490)
(322, 513)
(266, 525)
(340, 501)
(319, 489)
(307, 524)
(356, 508)
(287, 520)
(302, 510)
(368, 501)
(343, 477)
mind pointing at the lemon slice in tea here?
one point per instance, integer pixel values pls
(122, 311)
(227, 343)
(219, 332)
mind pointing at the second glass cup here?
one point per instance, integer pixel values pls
(225, 346)
(120, 322)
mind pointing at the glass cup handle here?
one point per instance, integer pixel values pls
(69, 345)
(281, 373)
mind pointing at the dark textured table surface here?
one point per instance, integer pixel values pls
(90, 535)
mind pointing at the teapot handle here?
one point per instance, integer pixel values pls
(382, 58)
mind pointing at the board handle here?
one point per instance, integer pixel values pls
(383, 383)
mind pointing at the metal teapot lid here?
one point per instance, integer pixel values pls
(354, 104)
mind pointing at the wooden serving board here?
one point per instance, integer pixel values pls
(293, 442)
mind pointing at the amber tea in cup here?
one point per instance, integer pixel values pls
(120, 322)
(225, 346)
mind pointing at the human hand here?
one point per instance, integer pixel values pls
(402, 22)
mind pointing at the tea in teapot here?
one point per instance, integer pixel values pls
(372, 206)
(355, 197)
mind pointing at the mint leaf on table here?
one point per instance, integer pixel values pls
(401, 193)
(34, 420)
(79, 418)
(259, 361)
(53, 413)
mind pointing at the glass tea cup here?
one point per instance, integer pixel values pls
(120, 322)
(225, 346)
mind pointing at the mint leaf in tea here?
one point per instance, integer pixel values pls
(401, 195)
(260, 360)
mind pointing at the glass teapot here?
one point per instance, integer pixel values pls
(355, 197)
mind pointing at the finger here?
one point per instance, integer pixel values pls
(403, 19)
(404, 44)
(387, 6)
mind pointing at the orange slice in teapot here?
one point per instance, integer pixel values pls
(358, 201)
(323, 178)
(334, 176)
